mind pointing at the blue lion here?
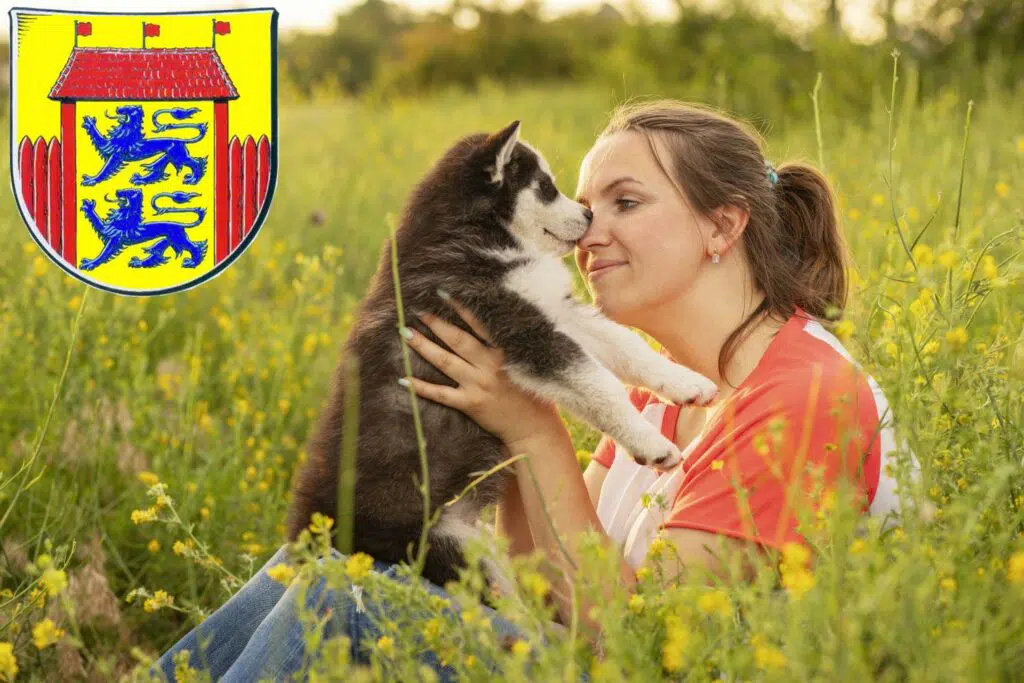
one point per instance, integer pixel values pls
(127, 142)
(124, 227)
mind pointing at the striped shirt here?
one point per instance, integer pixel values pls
(807, 403)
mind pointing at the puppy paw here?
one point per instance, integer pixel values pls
(687, 387)
(654, 450)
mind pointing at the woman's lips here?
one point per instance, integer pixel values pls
(604, 269)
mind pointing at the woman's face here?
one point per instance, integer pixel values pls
(647, 233)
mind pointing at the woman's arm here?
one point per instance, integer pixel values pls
(511, 521)
(561, 494)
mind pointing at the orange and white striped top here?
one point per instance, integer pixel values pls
(807, 405)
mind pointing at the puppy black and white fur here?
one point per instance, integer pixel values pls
(488, 225)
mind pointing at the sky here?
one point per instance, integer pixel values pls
(319, 14)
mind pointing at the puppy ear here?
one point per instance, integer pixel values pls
(499, 147)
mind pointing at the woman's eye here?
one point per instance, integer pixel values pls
(626, 203)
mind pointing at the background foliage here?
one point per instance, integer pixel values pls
(206, 397)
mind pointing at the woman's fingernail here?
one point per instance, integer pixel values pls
(404, 382)
(405, 332)
(443, 294)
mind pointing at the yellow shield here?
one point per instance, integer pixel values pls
(144, 147)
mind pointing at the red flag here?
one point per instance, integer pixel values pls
(83, 28)
(222, 28)
(150, 30)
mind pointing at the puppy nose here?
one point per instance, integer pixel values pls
(588, 214)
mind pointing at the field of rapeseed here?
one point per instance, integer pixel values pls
(147, 445)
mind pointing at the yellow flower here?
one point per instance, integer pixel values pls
(1020, 144)
(957, 337)
(643, 573)
(74, 302)
(358, 566)
(159, 599)
(766, 656)
(948, 584)
(947, 258)
(674, 647)
(282, 573)
(877, 200)
(583, 457)
(717, 465)
(857, 547)
(204, 512)
(521, 648)
(795, 555)
(148, 478)
(386, 645)
(1015, 568)
(536, 584)
(923, 255)
(854, 214)
(55, 581)
(39, 266)
(989, 267)
(143, 516)
(636, 603)
(8, 662)
(153, 546)
(845, 329)
(715, 602)
(320, 523)
(656, 548)
(45, 634)
(1002, 189)
(475, 615)
(180, 548)
(432, 629)
(798, 582)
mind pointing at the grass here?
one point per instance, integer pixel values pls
(192, 410)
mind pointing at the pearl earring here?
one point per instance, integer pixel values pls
(714, 257)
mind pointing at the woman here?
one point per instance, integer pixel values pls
(728, 264)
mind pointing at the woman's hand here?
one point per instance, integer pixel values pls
(484, 391)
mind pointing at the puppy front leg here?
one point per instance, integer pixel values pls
(591, 392)
(632, 359)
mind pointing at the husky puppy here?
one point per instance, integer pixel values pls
(488, 225)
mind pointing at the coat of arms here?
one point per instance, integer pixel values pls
(143, 147)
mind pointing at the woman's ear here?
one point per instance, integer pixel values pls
(731, 220)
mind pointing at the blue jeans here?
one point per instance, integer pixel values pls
(257, 634)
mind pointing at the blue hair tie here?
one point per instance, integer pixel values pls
(773, 177)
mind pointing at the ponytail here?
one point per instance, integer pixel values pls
(808, 217)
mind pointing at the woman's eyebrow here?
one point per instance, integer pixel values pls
(611, 186)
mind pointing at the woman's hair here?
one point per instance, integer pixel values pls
(794, 247)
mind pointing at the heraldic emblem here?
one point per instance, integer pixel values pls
(144, 147)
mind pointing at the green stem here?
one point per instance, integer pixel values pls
(817, 123)
(49, 413)
(421, 555)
